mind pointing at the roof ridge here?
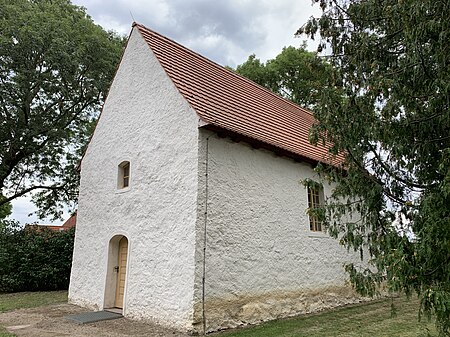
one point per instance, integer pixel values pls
(215, 64)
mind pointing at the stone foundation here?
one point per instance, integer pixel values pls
(234, 311)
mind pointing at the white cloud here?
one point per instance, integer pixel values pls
(110, 23)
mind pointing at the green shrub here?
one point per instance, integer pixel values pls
(33, 259)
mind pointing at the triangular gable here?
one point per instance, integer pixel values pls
(225, 100)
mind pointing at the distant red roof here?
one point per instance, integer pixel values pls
(71, 222)
(227, 101)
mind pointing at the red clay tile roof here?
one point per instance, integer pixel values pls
(71, 222)
(228, 101)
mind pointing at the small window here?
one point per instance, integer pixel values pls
(315, 196)
(124, 175)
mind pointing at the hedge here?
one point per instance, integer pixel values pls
(34, 259)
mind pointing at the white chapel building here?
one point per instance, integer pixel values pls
(191, 208)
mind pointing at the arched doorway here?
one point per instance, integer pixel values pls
(116, 274)
(121, 272)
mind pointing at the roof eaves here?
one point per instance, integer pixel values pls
(276, 149)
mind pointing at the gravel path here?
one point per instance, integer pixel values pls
(48, 321)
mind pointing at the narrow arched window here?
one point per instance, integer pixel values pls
(123, 179)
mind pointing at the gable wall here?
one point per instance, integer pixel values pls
(262, 261)
(147, 122)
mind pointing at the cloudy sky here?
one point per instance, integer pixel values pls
(225, 31)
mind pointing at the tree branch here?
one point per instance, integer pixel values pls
(29, 189)
(375, 180)
(392, 174)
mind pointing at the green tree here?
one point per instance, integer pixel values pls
(5, 211)
(296, 74)
(256, 71)
(387, 111)
(55, 68)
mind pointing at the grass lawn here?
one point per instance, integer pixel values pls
(4, 333)
(9, 302)
(364, 320)
(14, 301)
(367, 320)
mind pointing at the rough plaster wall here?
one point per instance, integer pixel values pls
(262, 261)
(147, 122)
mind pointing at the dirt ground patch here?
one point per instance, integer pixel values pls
(48, 321)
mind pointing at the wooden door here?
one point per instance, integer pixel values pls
(121, 274)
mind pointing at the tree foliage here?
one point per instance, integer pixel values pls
(5, 210)
(295, 74)
(34, 259)
(55, 68)
(387, 110)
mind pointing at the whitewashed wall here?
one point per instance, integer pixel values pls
(147, 122)
(262, 260)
